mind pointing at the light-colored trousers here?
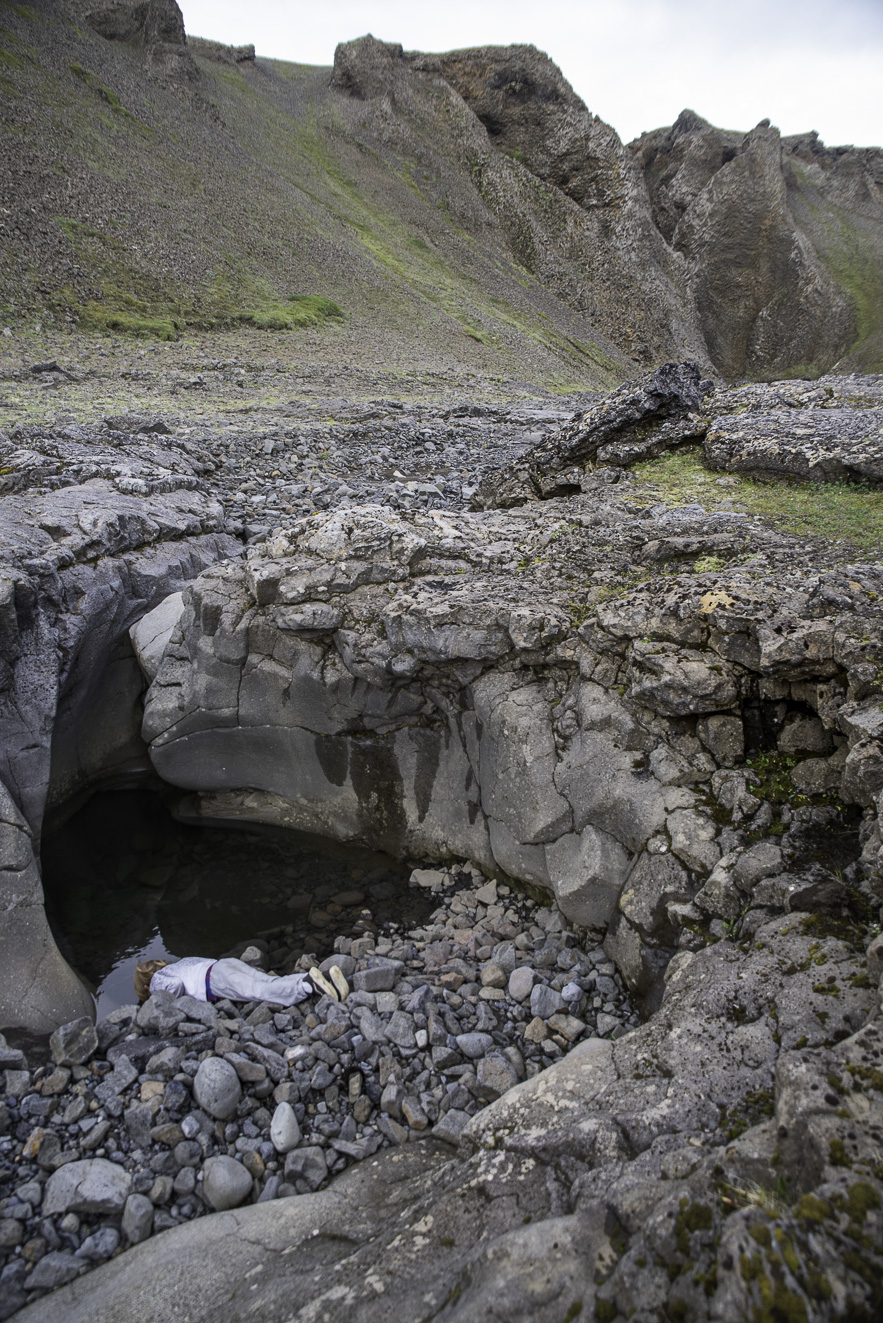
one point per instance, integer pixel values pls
(238, 981)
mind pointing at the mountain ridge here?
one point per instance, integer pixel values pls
(465, 205)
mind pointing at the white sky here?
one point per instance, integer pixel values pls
(805, 64)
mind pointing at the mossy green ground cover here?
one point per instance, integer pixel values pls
(837, 511)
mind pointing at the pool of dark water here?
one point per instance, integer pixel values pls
(124, 881)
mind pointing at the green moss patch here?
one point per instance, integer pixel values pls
(837, 511)
(299, 310)
(104, 93)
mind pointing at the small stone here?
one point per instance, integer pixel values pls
(75, 1043)
(254, 1165)
(306, 1168)
(521, 982)
(285, 1133)
(607, 1024)
(188, 1153)
(567, 1025)
(100, 1245)
(545, 1001)
(55, 1083)
(380, 978)
(427, 877)
(451, 1126)
(32, 1250)
(474, 1045)
(160, 1191)
(11, 1233)
(55, 1269)
(536, 1031)
(17, 1083)
(414, 1114)
(400, 1030)
(493, 976)
(486, 895)
(216, 1088)
(160, 1014)
(249, 1072)
(225, 1183)
(184, 1183)
(92, 1186)
(169, 1134)
(33, 1143)
(496, 1075)
(137, 1221)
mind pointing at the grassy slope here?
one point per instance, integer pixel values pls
(846, 229)
(139, 207)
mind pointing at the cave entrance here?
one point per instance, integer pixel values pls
(125, 881)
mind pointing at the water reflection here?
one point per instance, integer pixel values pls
(125, 882)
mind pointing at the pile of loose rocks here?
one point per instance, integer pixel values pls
(162, 1113)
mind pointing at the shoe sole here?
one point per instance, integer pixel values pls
(321, 983)
(338, 978)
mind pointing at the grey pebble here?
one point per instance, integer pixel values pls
(216, 1088)
(225, 1184)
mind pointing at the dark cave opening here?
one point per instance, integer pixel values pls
(124, 881)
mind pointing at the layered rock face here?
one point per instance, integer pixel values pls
(769, 229)
(423, 683)
(92, 535)
(518, 125)
(532, 115)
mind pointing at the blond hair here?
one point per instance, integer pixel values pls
(143, 974)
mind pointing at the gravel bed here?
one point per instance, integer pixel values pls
(162, 1113)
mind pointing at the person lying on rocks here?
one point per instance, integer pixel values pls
(213, 980)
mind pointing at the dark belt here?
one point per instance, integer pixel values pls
(209, 995)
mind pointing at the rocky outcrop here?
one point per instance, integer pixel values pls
(155, 25)
(666, 721)
(642, 419)
(761, 223)
(142, 21)
(824, 432)
(395, 680)
(629, 280)
(90, 537)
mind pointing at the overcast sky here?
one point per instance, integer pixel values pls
(805, 64)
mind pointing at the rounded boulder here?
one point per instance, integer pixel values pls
(225, 1183)
(284, 1129)
(216, 1088)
